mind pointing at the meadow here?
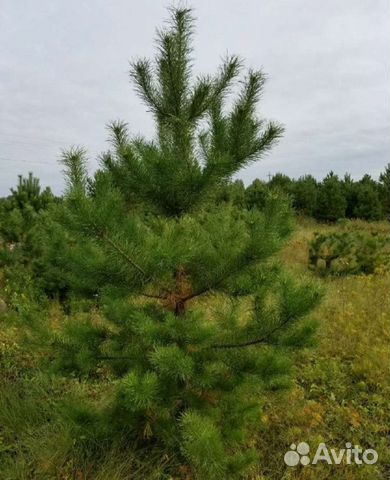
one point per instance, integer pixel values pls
(340, 391)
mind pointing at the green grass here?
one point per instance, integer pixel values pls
(340, 394)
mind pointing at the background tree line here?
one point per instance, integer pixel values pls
(326, 200)
(329, 199)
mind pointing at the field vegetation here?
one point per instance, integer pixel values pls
(339, 394)
(160, 321)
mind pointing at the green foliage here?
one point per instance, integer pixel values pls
(19, 212)
(281, 181)
(363, 198)
(185, 321)
(145, 240)
(256, 194)
(34, 250)
(348, 252)
(231, 192)
(367, 200)
(174, 173)
(384, 190)
(203, 446)
(89, 435)
(331, 202)
(22, 214)
(305, 195)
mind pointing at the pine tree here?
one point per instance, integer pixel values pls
(305, 193)
(349, 188)
(232, 192)
(238, 193)
(367, 200)
(21, 214)
(197, 321)
(384, 191)
(281, 181)
(256, 194)
(331, 203)
(19, 210)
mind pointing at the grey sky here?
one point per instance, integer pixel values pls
(63, 76)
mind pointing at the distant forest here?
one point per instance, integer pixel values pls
(327, 200)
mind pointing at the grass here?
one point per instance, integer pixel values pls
(340, 394)
(341, 391)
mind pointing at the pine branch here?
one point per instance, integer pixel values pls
(141, 73)
(262, 340)
(237, 269)
(156, 297)
(124, 254)
(109, 357)
(75, 163)
(118, 134)
(200, 99)
(133, 263)
(230, 69)
(166, 65)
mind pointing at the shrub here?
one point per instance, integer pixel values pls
(348, 252)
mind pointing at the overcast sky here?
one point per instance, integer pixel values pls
(64, 63)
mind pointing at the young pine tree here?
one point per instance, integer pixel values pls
(384, 191)
(305, 193)
(196, 321)
(232, 192)
(282, 182)
(331, 201)
(256, 194)
(368, 203)
(19, 211)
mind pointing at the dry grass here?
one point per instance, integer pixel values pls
(342, 387)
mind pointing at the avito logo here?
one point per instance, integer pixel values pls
(300, 454)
